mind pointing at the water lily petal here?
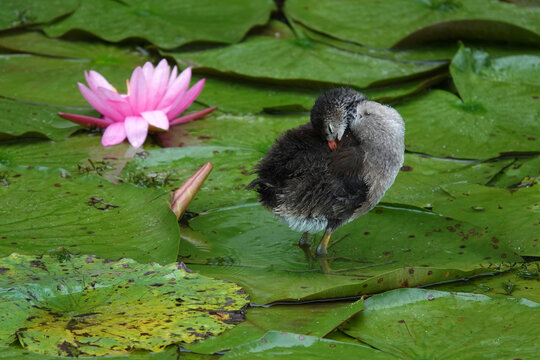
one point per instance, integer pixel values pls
(176, 90)
(136, 130)
(156, 118)
(114, 134)
(96, 80)
(174, 73)
(148, 71)
(84, 120)
(119, 102)
(137, 95)
(157, 86)
(186, 100)
(99, 103)
(192, 116)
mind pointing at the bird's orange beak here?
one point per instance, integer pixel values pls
(332, 145)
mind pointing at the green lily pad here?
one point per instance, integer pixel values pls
(53, 81)
(420, 181)
(80, 154)
(41, 210)
(19, 13)
(300, 347)
(439, 51)
(513, 217)
(97, 53)
(317, 319)
(167, 24)
(522, 282)
(320, 63)
(85, 305)
(26, 120)
(440, 124)
(501, 90)
(415, 323)
(522, 173)
(416, 21)
(240, 96)
(384, 249)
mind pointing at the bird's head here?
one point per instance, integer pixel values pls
(332, 113)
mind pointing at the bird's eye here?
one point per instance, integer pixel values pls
(330, 128)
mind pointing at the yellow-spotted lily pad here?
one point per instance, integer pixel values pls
(84, 305)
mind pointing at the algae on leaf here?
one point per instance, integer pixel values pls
(85, 305)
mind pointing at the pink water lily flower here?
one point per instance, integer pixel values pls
(154, 100)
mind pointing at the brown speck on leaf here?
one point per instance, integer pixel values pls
(406, 168)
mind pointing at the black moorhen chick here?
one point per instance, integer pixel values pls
(332, 170)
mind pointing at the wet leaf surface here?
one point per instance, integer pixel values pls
(167, 24)
(521, 282)
(315, 319)
(521, 173)
(295, 346)
(511, 216)
(415, 323)
(53, 81)
(91, 306)
(20, 13)
(372, 257)
(485, 85)
(84, 214)
(416, 22)
(26, 120)
(320, 64)
(421, 179)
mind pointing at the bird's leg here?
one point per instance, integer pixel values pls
(322, 249)
(304, 240)
(305, 245)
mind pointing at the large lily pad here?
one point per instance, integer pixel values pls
(19, 13)
(80, 154)
(26, 120)
(513, 217)
(320, 64)
(241, 96)
(53, 81)
(91, 306)
(415, 323)
(440, 124)
(521, 282)
(168, 23)
(503, 90)
(316, 319)
(385, 249)
(522, 173)
(439, 51)
(42, 210)
(421, 178)
(98, 53)
(300, 347)
(415, 21)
